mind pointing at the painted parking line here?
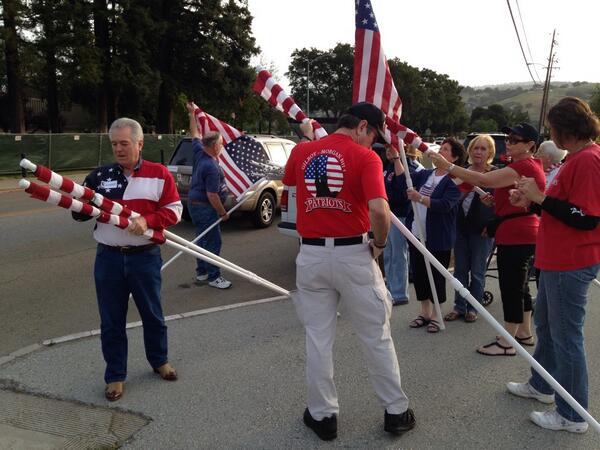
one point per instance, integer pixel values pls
(86, 334)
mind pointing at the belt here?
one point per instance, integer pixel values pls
(128, 249)
(199, 202)
(354, 240)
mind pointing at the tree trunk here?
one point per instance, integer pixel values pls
(101, 35)
(165, 109)
(167, 92)
(13, 68)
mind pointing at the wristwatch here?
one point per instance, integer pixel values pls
(450, 167)
(379, 246)
(421, 199)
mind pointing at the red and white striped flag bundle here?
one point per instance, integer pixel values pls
(406, 134)
(45, 194)
(233, 156)
(266, 86)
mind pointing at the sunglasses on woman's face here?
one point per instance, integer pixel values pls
(514, 140)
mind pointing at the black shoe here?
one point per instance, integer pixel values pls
(325, 428)
(399, 423)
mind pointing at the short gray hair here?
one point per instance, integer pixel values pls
(137, 134)
(210, 138)
(550, 149)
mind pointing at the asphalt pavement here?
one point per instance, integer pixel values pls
(242, 385)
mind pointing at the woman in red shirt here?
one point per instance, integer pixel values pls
(516, 234)
(568, 256)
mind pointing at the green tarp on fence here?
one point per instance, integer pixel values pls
(73, 151)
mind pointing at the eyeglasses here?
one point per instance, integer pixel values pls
(513, 140)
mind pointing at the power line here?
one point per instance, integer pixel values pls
(527, 41)
(520, 44)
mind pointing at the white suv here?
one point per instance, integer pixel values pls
(263, 204)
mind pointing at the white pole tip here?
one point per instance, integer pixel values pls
(26, 164)
(23, 183)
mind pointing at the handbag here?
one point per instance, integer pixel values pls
(495, 221)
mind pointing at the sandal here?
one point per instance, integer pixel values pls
(500, 346)
(470, 317)
(433, 327)
(112, 391)
(452, 316)
(528, 341)
(419, 322)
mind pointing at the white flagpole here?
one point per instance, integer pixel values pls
(464, 292)
(226, 265)
(241, 199)
(212, 258)
(409, 184)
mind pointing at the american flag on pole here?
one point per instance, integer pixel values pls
(237, 156)
(266, 86)
(372, 79)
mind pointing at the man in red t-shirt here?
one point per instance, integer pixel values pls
(340, 195)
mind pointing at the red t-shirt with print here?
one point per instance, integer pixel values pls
(559, 246)
(519, 230)
(334, 179)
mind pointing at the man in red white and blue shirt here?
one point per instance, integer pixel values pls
(126, 263)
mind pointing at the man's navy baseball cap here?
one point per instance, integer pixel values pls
(372, 114)
(525, 130)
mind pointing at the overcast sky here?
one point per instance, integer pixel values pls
(473, 41)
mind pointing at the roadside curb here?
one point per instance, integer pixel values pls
(86, 334)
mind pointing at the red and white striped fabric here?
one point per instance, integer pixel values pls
(266, 86)
(372, 82)
(372, 78)
(57, 181)
(398, 130)
(47, 195)
(237, 180)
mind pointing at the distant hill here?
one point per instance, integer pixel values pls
(524, 96)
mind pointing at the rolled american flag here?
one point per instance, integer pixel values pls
(75, 190)
(45, 194)
(266, 86)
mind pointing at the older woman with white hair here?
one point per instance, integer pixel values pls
(551, 157)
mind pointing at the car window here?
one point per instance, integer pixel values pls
(288, 148)
(278, 154)
(184, 154)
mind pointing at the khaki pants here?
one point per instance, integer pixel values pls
(324, 276)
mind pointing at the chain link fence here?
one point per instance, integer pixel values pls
(74, 151)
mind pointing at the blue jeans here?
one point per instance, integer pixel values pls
(117, 275)
(395, 261)
(471, 252)
(559, 317)
(204, 216)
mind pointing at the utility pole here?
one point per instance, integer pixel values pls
(547, 85)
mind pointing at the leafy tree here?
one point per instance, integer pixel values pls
(595, 101)
(14, 80)
(429, 100)
(330, 77)
(489, 125)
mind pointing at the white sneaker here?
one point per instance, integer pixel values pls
(220, 283)
(552, 420)
(202, 277)
(525, 390)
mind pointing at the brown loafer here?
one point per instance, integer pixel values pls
(114, 391)
(167, 373)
